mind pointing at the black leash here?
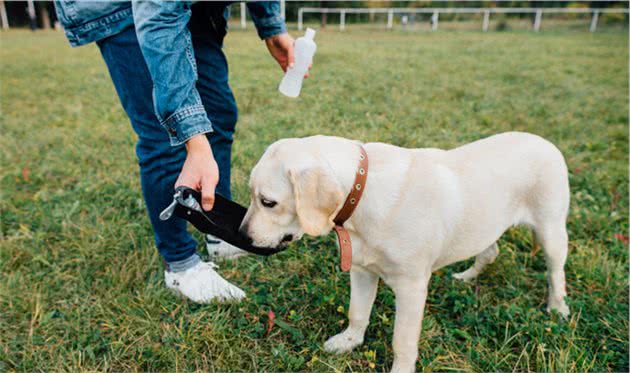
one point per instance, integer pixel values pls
(223, 221)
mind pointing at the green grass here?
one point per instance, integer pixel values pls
(81, 283)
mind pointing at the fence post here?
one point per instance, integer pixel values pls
(486, 20)
(435, 18)
(342, 20)
(31, 14)
(3, 15)
(390, 19)
(537, 20)
(594, 21)
(283, 9)
(300, 12)
(243, 16)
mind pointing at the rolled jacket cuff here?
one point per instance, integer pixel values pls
(272, 26)
(186, 123)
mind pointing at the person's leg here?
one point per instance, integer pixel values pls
(207, 29)
(160, 164)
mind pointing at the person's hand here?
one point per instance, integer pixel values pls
(200, 170)
(281, 48)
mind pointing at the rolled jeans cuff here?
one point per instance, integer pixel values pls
(183, 265)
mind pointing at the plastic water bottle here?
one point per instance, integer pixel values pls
(304, 50)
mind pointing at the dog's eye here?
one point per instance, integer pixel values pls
(267, 203)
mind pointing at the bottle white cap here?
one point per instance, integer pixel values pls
(310, 33)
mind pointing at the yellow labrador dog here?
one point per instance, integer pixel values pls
(422, 209)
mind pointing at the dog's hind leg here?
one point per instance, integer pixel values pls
(554, 240)
(481, 261)
(363, 286)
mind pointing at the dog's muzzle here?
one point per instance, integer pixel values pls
(223, 221)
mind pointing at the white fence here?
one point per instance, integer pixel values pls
(435, 14)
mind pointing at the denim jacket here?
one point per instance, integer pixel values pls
(166, 44)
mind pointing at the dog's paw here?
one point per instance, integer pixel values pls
(560, 307)
(466, 276)
(343, 342)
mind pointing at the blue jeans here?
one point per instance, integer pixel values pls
(160, 163)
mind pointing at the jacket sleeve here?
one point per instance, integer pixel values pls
(267, 18)
(166, 44)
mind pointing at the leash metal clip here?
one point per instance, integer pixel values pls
(189, 202)
(170, 209)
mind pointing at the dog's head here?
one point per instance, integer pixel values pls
(293, 191)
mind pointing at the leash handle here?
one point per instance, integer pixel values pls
(223, 221)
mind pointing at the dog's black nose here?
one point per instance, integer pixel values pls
(287, 238)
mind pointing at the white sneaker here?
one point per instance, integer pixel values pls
(218, 248)
(202, 284)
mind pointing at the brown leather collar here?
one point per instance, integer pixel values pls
(345, 244)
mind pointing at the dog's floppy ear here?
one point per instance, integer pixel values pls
(318, 198)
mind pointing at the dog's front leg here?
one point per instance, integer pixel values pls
(363, 285)
(410, 299)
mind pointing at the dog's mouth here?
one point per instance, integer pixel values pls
(286, 240)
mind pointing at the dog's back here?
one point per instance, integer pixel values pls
(503, 180)
(531, 168)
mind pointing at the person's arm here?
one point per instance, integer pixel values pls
(267, 18)
(166, 44)
(273, 30)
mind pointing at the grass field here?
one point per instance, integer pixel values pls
(81, 283)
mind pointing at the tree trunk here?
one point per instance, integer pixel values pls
(44, 17)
